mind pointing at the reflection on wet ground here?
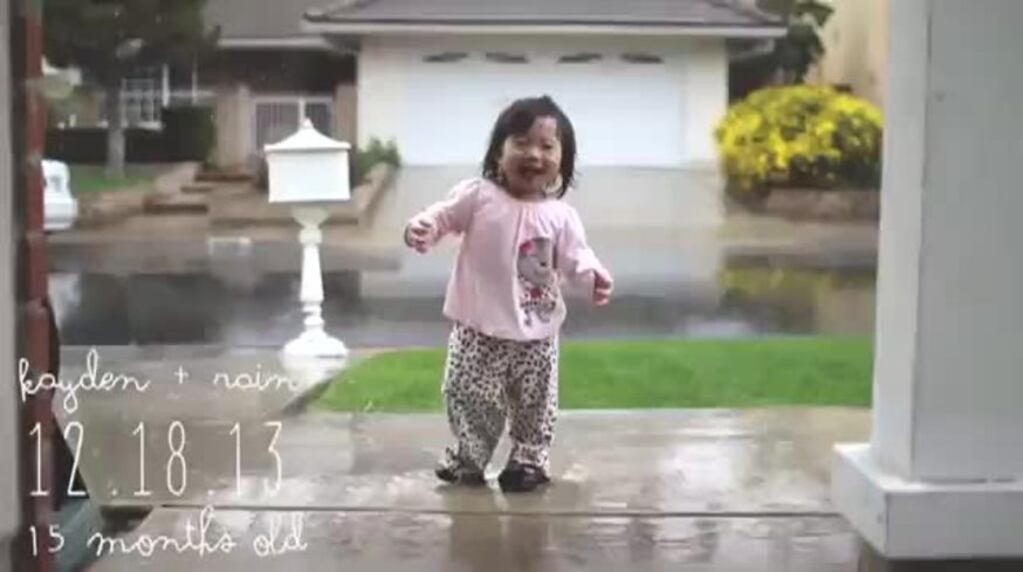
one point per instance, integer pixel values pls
(748, 297)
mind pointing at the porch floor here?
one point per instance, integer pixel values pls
(648, 490)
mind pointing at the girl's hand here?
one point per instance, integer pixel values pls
(602, 288)
(417, 234)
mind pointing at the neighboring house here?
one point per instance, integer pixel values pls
(265, 75)
(644, 81)
(145, 92)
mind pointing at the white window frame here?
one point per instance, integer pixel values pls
(143, 95)
(299, 99)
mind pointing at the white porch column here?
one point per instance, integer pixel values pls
(943, 475)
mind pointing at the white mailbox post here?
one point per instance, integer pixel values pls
(308, 170)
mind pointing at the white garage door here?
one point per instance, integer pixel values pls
(624, 113)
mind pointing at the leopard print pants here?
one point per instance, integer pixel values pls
(489, 381)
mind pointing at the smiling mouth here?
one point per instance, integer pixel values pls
(531, 172)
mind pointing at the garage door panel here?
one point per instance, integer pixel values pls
(624, 114)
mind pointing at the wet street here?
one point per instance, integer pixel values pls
(681, 270)
(741, 297)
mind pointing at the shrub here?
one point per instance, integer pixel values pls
(375, 152)
(190, 133)
(89, 145)
(800, 136)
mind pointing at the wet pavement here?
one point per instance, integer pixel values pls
(771, 461)
(712, 489)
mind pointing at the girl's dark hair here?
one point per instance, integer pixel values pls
(518, 119)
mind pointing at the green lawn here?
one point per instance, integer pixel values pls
(642, 374)
(93, 178)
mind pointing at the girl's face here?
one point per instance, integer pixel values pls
(531, 161)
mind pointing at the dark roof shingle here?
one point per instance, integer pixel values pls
(275, 19)
(265, 19)
(598, 12)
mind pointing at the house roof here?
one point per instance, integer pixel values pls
(678, 15)
(262, 23)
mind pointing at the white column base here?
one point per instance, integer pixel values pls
(906, 520)
(315, 344)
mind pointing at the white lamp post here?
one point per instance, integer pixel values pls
(308, 170)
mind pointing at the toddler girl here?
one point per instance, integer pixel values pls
(518, 241)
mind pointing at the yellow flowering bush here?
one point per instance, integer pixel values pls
(800, 136)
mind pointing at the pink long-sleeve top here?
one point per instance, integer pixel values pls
(514, 253)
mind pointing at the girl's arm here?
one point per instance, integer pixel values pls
(577, 261)
(452, 215)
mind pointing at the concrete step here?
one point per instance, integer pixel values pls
(253, 210)
(169, 204)
(222, 177)
(252, 207)
(197, 188)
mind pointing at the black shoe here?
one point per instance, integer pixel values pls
(516, 478)
(461, 476)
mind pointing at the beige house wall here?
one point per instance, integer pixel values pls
(346, 112)
(856, 40)
(234, 129)
(856, 44)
